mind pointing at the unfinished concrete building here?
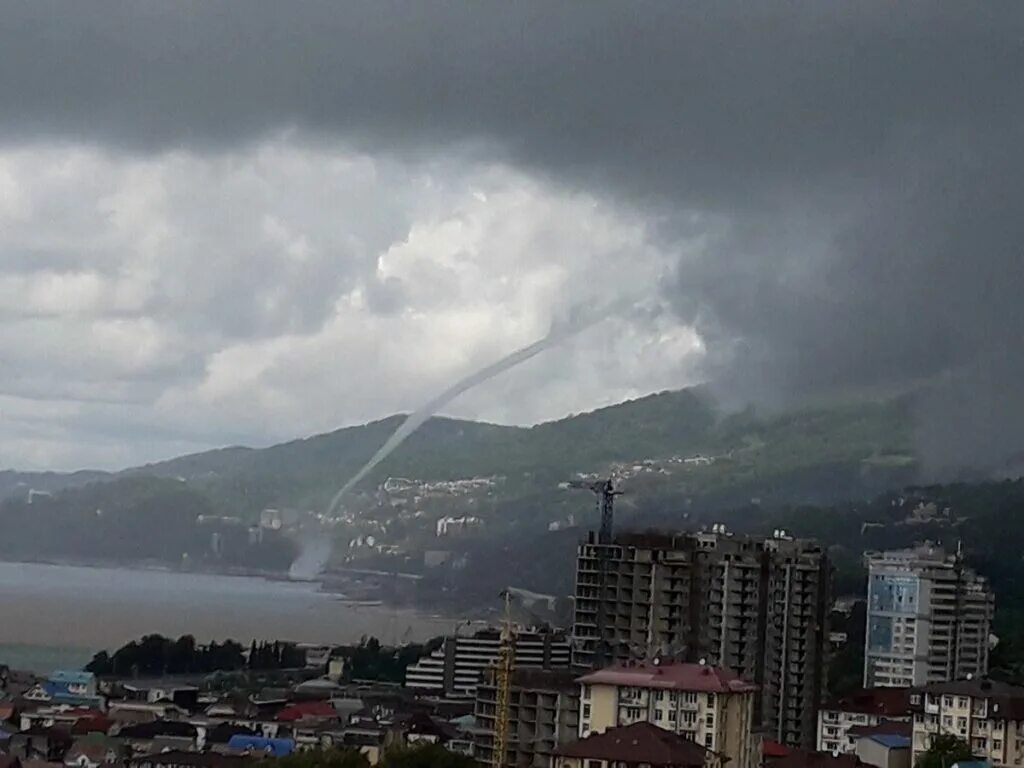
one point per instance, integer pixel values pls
(756, 606)
(544, 713)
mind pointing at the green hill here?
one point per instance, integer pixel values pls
(813, 455)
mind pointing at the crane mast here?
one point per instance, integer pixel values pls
(606, 493)
(503, 688)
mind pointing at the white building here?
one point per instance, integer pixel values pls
(987, 715)
(928, 619)
(457, 666)
(859, 710)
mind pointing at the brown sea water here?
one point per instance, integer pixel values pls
(67, 611)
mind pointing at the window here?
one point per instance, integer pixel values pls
(961, 723)
(997, 744)
(659, 696)
(947, 721)
(711, 699)
(593, 764)
(709, 739)
(947, 701)
(962, 702)
(690, 697)
(586, 711)
(709, 721)
(671, 715)
(586, 691)
(659, 715)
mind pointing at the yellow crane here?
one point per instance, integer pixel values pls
(503, 683)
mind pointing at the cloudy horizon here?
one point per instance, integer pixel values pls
(246, 222)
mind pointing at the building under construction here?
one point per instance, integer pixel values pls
(757, 606)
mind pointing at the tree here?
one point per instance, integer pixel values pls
(425, 756)
(946, 749)
(340, 757)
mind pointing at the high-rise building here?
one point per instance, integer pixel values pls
(928, 619)
(756, 606)
(544, 713)
(456, 667)
(708, 705)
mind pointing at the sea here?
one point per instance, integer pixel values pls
(58, 616)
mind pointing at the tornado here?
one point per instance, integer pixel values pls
(311, 563)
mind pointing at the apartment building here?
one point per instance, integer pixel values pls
(456, 667)
(544, 713)
(988, 715)
(929, 618)
(842, 721)
(708, 705)
(755, 606)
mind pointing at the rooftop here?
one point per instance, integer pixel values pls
(638, 743)
(72, 677)
(886, 727)
(893, 702)
(801, 758)
(891, 740)
(676, 676)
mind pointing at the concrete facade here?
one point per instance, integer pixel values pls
(989, 716)
(756, 606)
(711, 707)
(929, 619)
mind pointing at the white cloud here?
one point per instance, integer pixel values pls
(155, 304)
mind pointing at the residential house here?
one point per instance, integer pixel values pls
(884, 750)
(803, 758)
(40, 744)
(709, 705)
(641, 744)
(260, 746)
(986, 714)
(92, 752)
(867, 707)
(175, 759)
(149, 738)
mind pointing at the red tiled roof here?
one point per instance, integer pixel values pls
(771, 748)
(682, 677)
(92, 724)
(637, 743)
(891, 702)
(307, 709)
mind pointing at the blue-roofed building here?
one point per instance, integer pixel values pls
(885, 750)
(72, 683)
(67, 687)
(261, 745)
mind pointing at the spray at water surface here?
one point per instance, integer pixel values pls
(314, 557)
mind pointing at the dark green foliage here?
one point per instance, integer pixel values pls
(810, 455)
(945, 750)
(846, 671)
(425, 756)
(342, 757)
(372, 661)
(155, 655)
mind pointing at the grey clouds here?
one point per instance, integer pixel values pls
(851, 171)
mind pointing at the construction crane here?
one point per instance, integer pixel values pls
(606, 493)
(503, 679)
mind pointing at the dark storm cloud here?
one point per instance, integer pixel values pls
(863, 158)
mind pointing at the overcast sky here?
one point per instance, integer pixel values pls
(240, 222)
